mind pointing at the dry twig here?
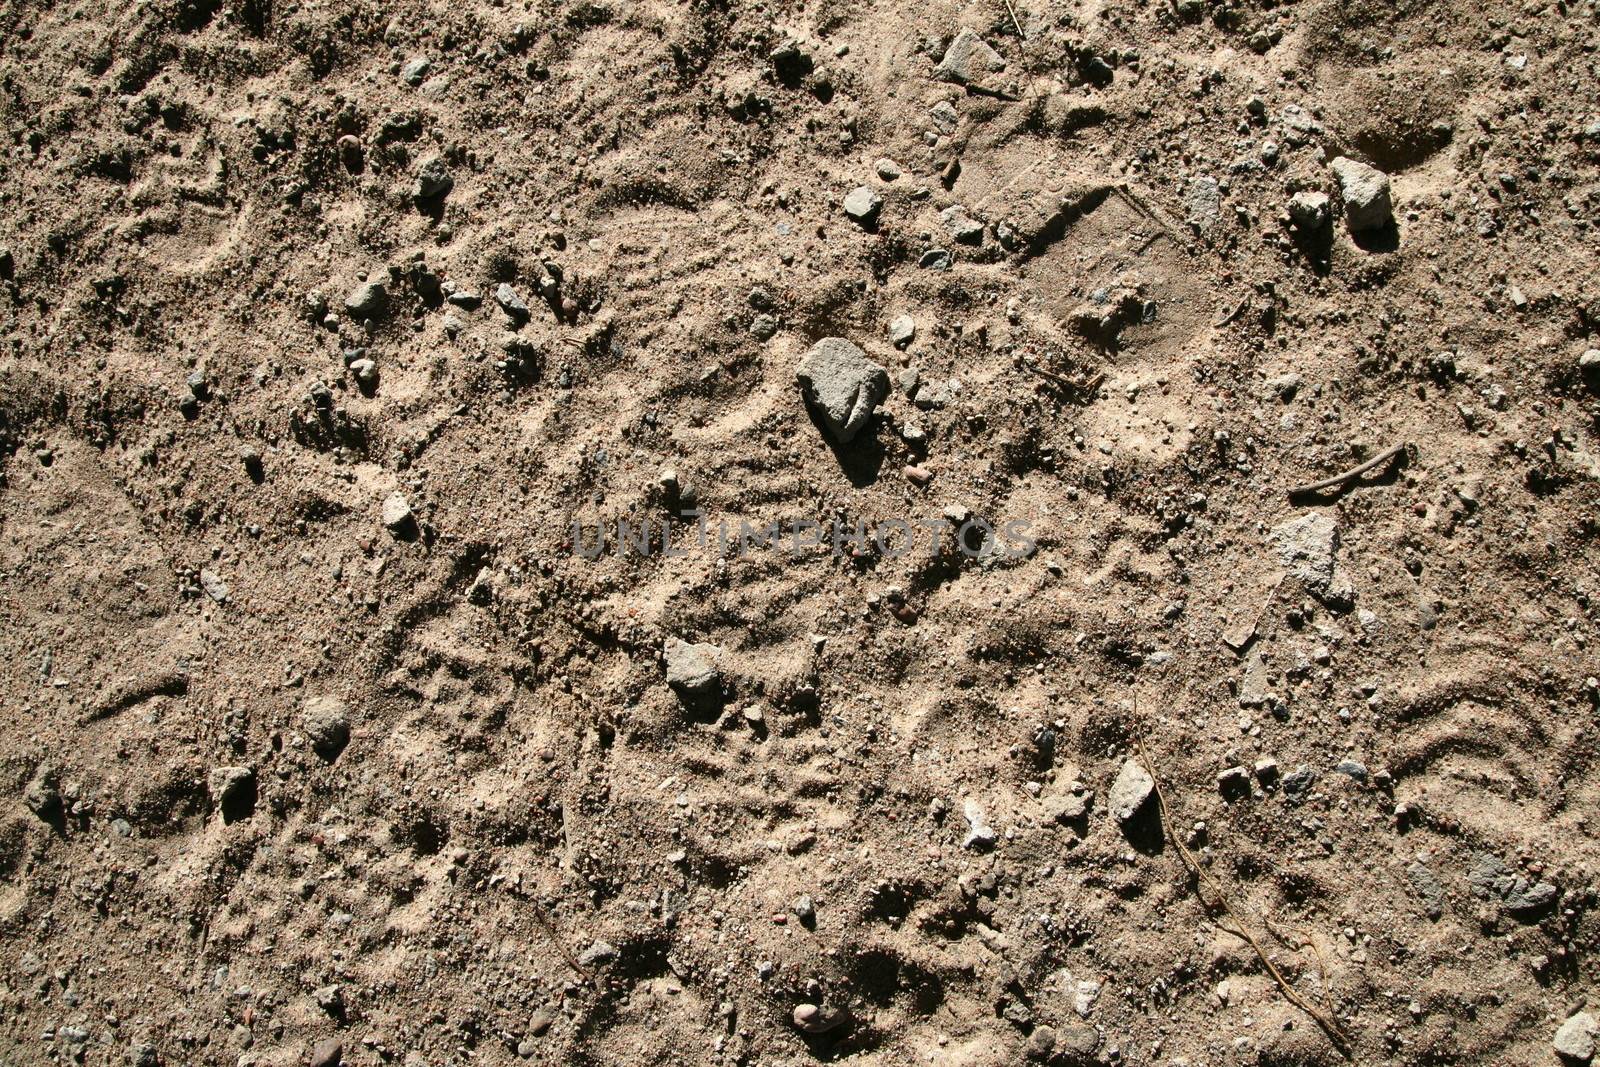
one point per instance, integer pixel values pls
(1085, 388)
(1350, 475)
(1204, 883)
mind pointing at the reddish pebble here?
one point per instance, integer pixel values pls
(918, 474)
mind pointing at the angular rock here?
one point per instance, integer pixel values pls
(329, 1052)
(368, 300)
(862, 205)
(214, 586)
(601, 952)
(843, 385)
(962, 227)
(1491, 879)
(415, 71)
(433, 179)
(396, 512)
(1306, 547)
(1426, 883)
(902, 329)
(43, 795)
(514, 306)
(969, 59)
(980, 835)
(692, 668)
(1130, 792)
(1365, 191)
(1309, 212)
(1575, 1038)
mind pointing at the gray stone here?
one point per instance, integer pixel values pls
(692, 668)
(367, 301)
(396, 511)
(1365, 191)
(1352, 769)
(1299, 781)
(888, 169)
(416, 70)
(961, 226)
(935, 259)
(1426, 883)
(1130, 792)
(1300, 127)
(1309, 211)
(1575, 1038)
(945, 117)
(969, 59)
(1490, 879)
(597, 954)
(513, 305)
(1202, 203)
(326, 723)
(433, 179)
(763, 327)
(214, 586)
(902, 329)
(1589, 364)
(862, 204)
(1306, 547)
(843, 385)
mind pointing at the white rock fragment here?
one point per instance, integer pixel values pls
(1365, 191)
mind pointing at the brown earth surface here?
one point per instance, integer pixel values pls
(325, 740)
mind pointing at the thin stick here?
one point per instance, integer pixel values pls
(1082, 388)
(1350, 475)
(1340, 1040)
(1238, 309)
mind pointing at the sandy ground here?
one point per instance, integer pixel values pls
(334, 331)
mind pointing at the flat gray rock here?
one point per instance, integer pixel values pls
(691, 668)
(862, 204)
(968, 59)
(1306, 547)
(1365, 191)
(396, 511)
(367, 300)
(842, 384)
(1491, 879)
(1574, 1041)
(1203, 203)
(1130, 792)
